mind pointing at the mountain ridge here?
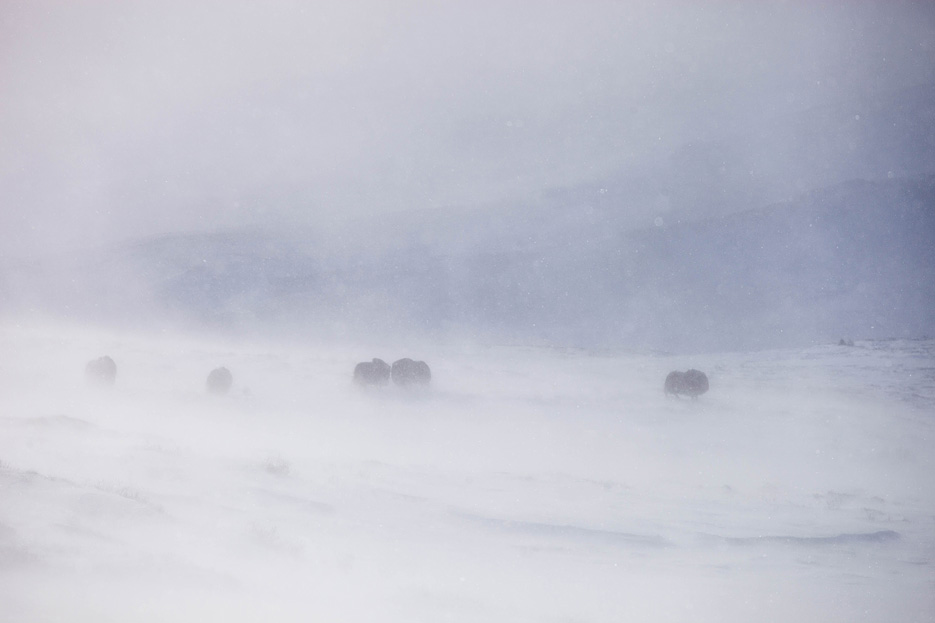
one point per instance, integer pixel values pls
(853, 259)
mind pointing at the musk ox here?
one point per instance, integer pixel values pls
(101, 371)
(220, 381)
(407, 372)
(690, 383)
(376, 372)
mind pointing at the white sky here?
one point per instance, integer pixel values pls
(126, 119)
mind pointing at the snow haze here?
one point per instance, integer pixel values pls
(553, 205)
(527, 484)
(121, 120)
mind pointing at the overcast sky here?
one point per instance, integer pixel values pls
(125, 119)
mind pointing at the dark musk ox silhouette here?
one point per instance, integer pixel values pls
(101, 371)
(220, 381)
(376, 372)
(407, 372)
(689, 383)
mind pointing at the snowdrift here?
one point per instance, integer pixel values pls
(527, 484)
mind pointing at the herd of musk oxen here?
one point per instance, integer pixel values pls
(403, 372)
(103, 371)
(376, 373)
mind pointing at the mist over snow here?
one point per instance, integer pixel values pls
(554, 206)
(653, 176)
(526, 484)
(855, 260)
(128, 120)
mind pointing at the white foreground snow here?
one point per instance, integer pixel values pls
(526, 485)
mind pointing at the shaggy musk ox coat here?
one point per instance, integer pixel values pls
(102, 371)
(409, 372)
(690, 383)
(220, 381)
(376, 372)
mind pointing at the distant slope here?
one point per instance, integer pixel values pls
(738, 167)
(856, 259)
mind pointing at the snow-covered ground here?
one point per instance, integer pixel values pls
(527, 484)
